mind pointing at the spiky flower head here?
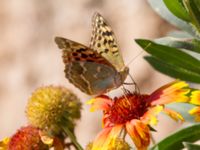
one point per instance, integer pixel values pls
(27, 138)
(116, 144)
(50, 106)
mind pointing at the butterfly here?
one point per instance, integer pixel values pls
(97, 68)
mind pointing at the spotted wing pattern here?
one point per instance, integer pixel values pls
(73, 51)
(103, 41)
(87, 69)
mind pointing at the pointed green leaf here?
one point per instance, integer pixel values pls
(175, 141)
(193, 7)
(160, 7)
(177, 8)
(184, 43)
(173, 70)
(179, 34)
(191, 146)
(171, 56)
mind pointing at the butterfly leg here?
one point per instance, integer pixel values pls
(137, 90)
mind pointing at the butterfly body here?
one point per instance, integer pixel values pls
(98, 68)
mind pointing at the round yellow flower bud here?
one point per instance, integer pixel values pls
(50, 106)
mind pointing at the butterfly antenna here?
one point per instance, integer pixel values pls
(137, 90)
(134, 58)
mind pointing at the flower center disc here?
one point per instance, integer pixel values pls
(126, 108)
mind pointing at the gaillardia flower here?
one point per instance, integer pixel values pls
(51, 107)
(117, 144)
(27, 138)
(195, 100)
(134, 113)
(4, 143)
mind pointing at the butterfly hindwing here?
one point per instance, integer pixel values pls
(90, 77)
(87, 69)
(103, 41)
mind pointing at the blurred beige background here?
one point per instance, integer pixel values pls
(29, 58)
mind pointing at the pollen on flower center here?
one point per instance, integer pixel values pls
(50, 105)
(126, 108)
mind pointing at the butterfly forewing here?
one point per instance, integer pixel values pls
(74, 51)
(103, 41)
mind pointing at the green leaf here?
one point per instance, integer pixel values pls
(179, 34)
(189, 134)
(191, 146)
(177, 8)
(183, 109)
(173, 70)
(193, 7)
(171, 56)
(184, 43)
(162, 10)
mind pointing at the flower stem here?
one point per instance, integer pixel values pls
(72, 138)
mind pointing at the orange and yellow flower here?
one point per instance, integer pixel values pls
(4, 143)
(25, 138)
(133, 113)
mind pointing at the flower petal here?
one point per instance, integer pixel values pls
(106, 121)
(173, 114)
(46, 139)
(195, 98)
(102, 102)
(106, 137)
(173, 92)
(139, 133)
(4, 143)
(101, 139)
(195, 112)
(150, 116)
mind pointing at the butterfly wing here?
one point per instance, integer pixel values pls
(92, 78)
(87, 69)
(74, 51)
(103, 41)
